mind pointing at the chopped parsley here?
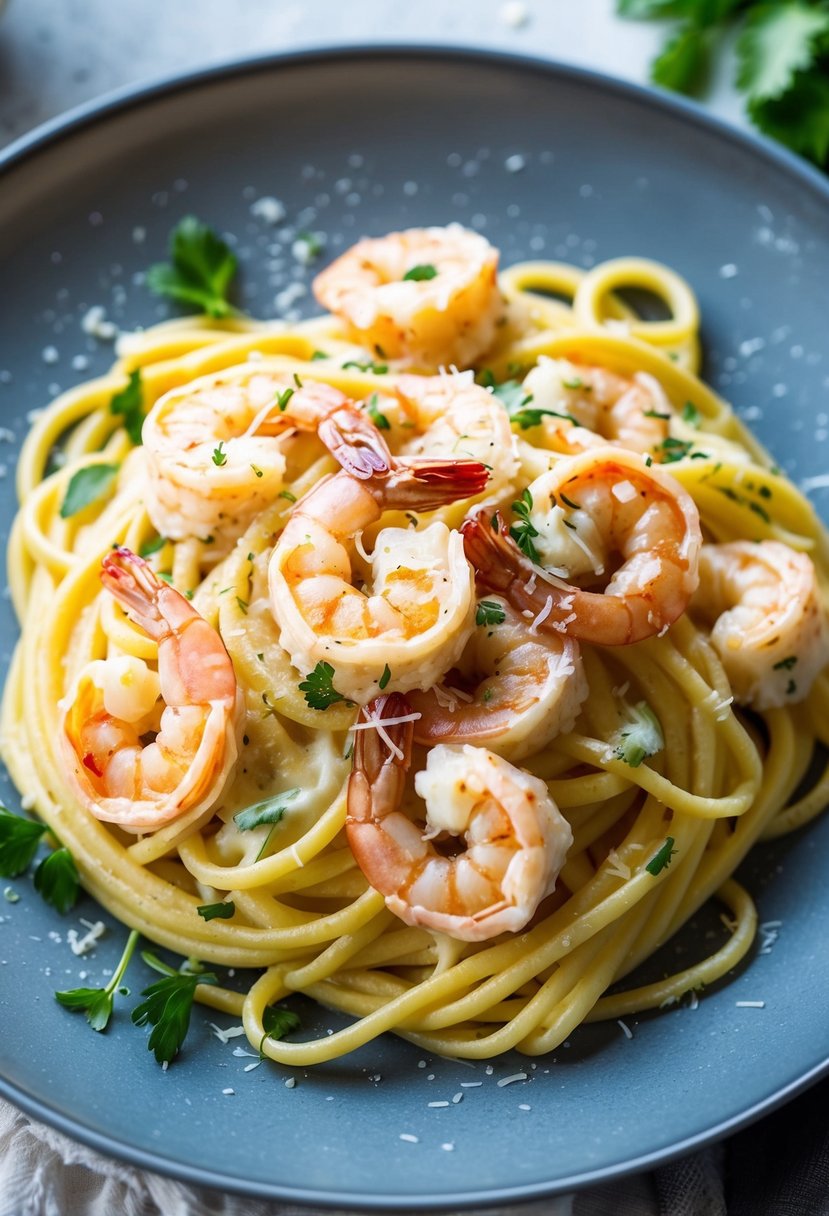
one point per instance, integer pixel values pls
(662, 858)
(420, 274)
(489, 612)
(576, 382)
(691, 415)
(385, 677)
(200, 269)
(568, 502)
(318, 354)
(88, 485)
(129, 404)
(319, 689)
(377, 417)
(516, 402)
(313, 243)
(268, 812)
(152, 546)
(786, 664)
(221, 911)
(287, 495)
(257, 471)
(639, 738)
(671, 449)
(284, 397)
(219, 456)
(524, 531)
(96, 1003)
(367, 365)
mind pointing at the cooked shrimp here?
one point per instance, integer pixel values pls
(416, 620)
(215, 447)
(113, 703)
(575, 518)
(633, 412)
(769, 626)
(513, 690)
(427, 295)
(516, 838)
(451, 416)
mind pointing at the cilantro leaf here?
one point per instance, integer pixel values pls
(269, 811)
(683, 63)
(90, 483)
(220, 911)
(319, 688)
(420, 274)
(57, 880)
(167, 1008)
(96, 1003)
(200, 269)
(778, 41)
(129, 403)
(640, 738)
(662, 858)
(19, 839)
(489, 613)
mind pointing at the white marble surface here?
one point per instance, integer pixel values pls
(55, 54)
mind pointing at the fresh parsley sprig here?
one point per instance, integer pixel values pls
(200, 269)
(524, 531)
(88, 485)
(782, 52)
(97, 1003)
(168, 1006)
(488, 612)
(270, 811)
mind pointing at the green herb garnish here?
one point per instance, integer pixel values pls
(379, 419)
(367, 365)
(639, 738)
(96, 1003)
(88, 485)
(152, 546)
(489, 613)
(168, 1007)
(219, 456)
(385, 677)
(420, 274)
(221, 911)
(129, 403)
(277, 1021)
(200, 269)
(268, 812)
(662, 858)
(691, 415)
(319, 688)
(524, 531)
(57, 880)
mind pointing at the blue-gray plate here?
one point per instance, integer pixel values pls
(546, 161)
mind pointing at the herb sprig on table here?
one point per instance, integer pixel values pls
(782, 53)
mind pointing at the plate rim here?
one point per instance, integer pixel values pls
(113, 104)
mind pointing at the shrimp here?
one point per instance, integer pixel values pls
(633, 413)
(415, 622)
(452, 416)
(769, 628)
(516, 837)
(113, 703)
(215, 448)
(513, 690)
(575, 518)
(427, 295)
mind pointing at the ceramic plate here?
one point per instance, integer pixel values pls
(547, 162)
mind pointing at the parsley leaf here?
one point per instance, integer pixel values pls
(269, 811)
(167, 1008)
(129, 403)
(640, 738)
(691, 415)
(319, 688)
(57, 880)
(420, 274)
(489, 613)
(662, 858)
(670, 450)
(379, 419)
(523, 532)
(19, 839)
(683, 62)
(96, 1003)
(800, 118)
(219, 456)
(90, 483)
(152, 546)
(778, 41)
(516, 401)
(221, 911)
(200, 269)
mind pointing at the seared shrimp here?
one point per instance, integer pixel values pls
(114, 703)
(427, 295)
(451, 416)
(632, 412)
(215, 447)
(575, 518)
(516, 838)
(416, 620)
(769, 626)
(513, 690)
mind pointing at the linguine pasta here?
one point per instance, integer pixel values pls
(651, 842)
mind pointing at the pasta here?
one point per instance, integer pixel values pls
(653, 838)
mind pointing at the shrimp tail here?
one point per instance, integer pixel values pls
(133, 582)
(382, 755)
(492, 553)
(425, 485)
(356, 444)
